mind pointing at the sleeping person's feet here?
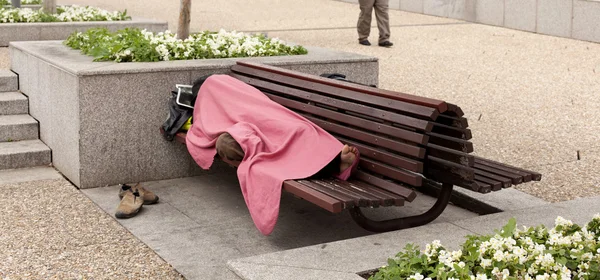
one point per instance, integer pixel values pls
(348, 155)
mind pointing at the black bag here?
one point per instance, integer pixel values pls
(178, 115)
(341, 77)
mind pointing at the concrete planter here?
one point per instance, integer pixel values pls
(33, 7)
(101, 119)
(38, 31)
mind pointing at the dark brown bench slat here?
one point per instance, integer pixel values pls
(408, 194)
(408, 108)
(352, 120)
(359, 199)
(385, 157)
(450, 178)
(484, 188)
(440, 105)
(337, 103)
(450, 155)
(366, 198)
(459, 122)
(527, 174)
(388, 198)
(462, 133)
(404, 148)
(453, 110)
(450, 142)
(496, 185)
(391, 172)
(179, 137)
(347, 200)
(318, 198)
(515, 178)
(506, 182)
(465, 172)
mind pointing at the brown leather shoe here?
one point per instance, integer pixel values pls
(148, 196)
(130, 205)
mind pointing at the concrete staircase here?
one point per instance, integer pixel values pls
(20, 145)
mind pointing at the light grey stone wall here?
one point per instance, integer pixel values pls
(577, 19)
(33, 7)
(102, 119)
(10, 32)
(52, 95)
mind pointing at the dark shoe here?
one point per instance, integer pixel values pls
(130, 205)
(386, 44)
(147, 196)
(365, 42)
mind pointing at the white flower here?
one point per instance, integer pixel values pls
(499, 256)
(416, 276)
(482, 277)
(560, 221)
(456, 255)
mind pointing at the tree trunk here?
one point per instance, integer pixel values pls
(183, 30)
(49, 6)
(16, 3)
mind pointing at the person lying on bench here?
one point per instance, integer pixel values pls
(267, 142)
(232, 153)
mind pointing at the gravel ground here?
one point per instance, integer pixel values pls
(50, 230)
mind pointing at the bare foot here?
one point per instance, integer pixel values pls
(347, 156)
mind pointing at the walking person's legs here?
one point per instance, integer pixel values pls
(383, 22)
(364, 21)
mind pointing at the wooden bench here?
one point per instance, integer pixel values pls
(406, 143)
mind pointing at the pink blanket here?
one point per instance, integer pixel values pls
(279, 144)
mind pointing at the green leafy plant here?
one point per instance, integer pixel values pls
(566, 251)
(23, 2)
(63, 14)
(135, 45)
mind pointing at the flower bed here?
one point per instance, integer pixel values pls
(566, 251)
(63, 14)
(135, 45)
(23, 2)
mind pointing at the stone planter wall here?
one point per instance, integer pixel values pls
(101, 119)
(33, 7)
(577, 19)
(10, 32)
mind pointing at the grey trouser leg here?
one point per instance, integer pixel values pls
(383, 19)
(364, 19)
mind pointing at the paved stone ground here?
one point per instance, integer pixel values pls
(202, 222)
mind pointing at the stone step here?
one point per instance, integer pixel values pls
(8, 81)
(18, 127)
(13, 176)
(12, 103)
(26, 153)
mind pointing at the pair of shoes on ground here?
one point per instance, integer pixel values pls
(132, 199)
(386, 44)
